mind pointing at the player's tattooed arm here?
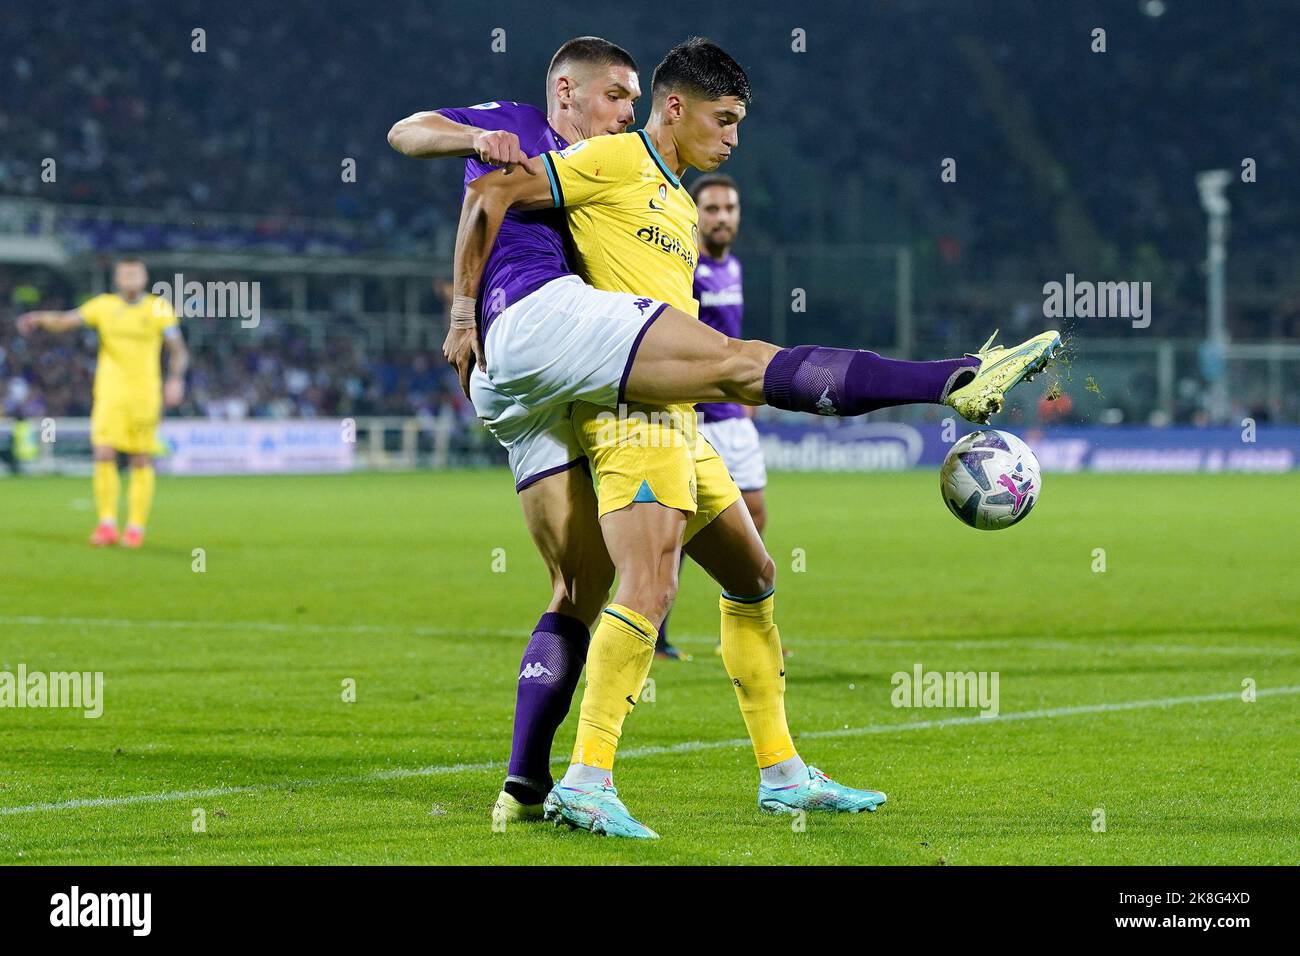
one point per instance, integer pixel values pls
(431, 135)
(50, 321)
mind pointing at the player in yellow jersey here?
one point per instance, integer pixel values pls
(133, 327)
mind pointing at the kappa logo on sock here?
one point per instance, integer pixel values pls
(824, 404)
(535, 669)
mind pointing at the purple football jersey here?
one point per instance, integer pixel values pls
(722, 307)
(532, 247)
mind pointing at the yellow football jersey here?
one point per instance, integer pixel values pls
(130, 343)
(634, 229)
(633, 222)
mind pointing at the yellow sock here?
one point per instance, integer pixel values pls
(139, 496)
(107, 486)
(751, 652)
(618, 662)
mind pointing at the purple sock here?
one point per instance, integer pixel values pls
(548, 676)
(811, 378)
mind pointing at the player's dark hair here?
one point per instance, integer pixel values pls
(702, 69)
(712, 179)
(591, 51)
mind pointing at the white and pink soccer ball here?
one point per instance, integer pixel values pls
(990, 480)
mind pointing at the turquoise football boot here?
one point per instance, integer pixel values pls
(596, 808)
(819, 792)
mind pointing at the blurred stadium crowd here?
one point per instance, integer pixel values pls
(1047, 128)
(1067, 159)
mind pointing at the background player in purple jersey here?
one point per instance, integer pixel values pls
(591, 86)
(719, 287)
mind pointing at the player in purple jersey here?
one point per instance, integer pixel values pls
(728, 426)
(591, 87)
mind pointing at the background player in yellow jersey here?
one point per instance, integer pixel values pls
(133, 326)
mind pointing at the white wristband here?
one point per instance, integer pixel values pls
(462, 312)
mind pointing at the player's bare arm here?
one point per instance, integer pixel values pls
(487, 199)
(50, 321)
(431, 135)
(178, 360)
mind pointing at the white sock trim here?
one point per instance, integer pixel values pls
(789, 771)
(583, 775)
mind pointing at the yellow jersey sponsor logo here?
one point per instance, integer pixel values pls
(667, 242)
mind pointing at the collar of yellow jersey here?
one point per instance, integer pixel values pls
(654, 154)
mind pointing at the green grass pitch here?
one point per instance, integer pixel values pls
(1120, 691)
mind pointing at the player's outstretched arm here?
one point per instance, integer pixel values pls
(431, 135)
(50, 321)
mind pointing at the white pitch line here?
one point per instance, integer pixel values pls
(275, 627)
(690, 746)
(285, 627)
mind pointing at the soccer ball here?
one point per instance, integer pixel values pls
(990, 480)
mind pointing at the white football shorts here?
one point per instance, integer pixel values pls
(563, 343)
(736, 442)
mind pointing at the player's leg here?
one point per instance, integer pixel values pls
(729, 548)
(665, 650)
(106, 483)
(560, 512)
(756, 505)
(570, 342)
(643, 540)
(736, 441)
(559, 508)
(680, 359)
(139, 499)
(107, 433)
(143, 444)
(646, 488)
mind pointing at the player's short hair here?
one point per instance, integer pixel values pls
(589, 51)
(712, 179)
(128, 261)
(702, 69)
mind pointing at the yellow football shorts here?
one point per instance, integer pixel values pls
(128, 425)
(654, 453)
